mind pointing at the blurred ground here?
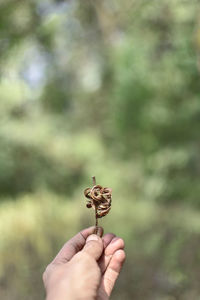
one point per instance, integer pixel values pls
(111, 89)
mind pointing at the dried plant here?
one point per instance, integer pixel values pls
(99, 198)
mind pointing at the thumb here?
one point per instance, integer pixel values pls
(93, 246)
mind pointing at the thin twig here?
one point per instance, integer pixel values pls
(94, 180)
(96, 219)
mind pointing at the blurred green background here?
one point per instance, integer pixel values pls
(107, 88)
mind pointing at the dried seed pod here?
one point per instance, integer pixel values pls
(99, 198)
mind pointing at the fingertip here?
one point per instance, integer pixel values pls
(120, 255)
(87, 231)
(119, 241)
(93, 246)
(116, 244)
(93, 237)
(107, 238)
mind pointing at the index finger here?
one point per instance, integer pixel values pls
(75, 244)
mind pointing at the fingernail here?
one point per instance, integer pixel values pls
(109, 256)
(92, 237)
(114, 240)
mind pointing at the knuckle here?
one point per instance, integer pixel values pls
(110, 283)
(44, 275)
(86, 257)
(96, 245)
(46, 272)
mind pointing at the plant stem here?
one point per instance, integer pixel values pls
(96, 219)
(94, 180)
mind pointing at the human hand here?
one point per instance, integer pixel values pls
(86, 267)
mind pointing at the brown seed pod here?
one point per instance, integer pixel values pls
(99, 198)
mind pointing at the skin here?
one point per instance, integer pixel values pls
(87, 267)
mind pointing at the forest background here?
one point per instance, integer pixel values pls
(111, 89)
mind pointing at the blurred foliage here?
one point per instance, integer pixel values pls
(105, 88)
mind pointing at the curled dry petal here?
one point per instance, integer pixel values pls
(99, 198)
